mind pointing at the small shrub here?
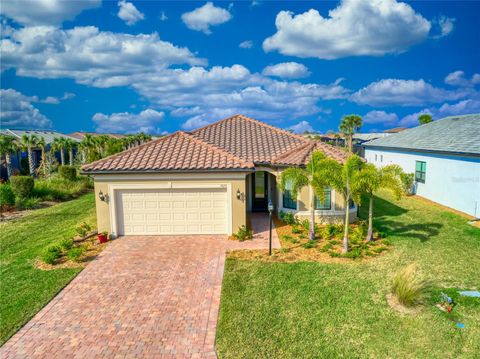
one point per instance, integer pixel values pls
(284, 250)
(287, 238)
(83, 229)
(56, 188)
(409, 288)
(67, 172)
(407, 180)
(22, 186)
(309, 244)
(27, 203)
(243, 233)
(66, 244)
(334, 254)
(296, 229)
(353, 254)
(51, 254)
(288, 218)
(7, 197)
(75, 253)
(379, 249)
(305, 224)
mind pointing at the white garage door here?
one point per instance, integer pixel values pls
(172, 211)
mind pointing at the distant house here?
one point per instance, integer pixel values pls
(81, 135)
(444, 155)
(360, 138)
(49, 137)
(395, 130)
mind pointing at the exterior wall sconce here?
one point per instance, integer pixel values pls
(103, 197)
(240, 195)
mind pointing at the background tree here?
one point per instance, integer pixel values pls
(298, 178)
(7, 147)
(44, 162)
(340, 177)
(424, 118)
(369, 180)
(59, 144)
(70, 146)
(348, 126)
(27, 143)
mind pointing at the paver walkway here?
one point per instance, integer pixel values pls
(143, 297)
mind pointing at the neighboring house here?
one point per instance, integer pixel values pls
(395, 130)
(48, 135)
(360, 138)
(206, 181)
(81, 135)
(443, 154)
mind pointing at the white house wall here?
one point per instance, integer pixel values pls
(453, 181)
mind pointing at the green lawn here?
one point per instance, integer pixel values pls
(331, 310)
(24, 290)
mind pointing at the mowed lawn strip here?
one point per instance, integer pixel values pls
(24, 289)
(331, 310)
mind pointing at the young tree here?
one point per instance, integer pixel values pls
(348, 126)
(70, 145)
(298, 178)
(27, 143)
(369, 180)
(424, 118)
(340, 177)
(44, 162)
(59, 145)
(7, 147)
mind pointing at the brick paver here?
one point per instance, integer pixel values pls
(143, 297)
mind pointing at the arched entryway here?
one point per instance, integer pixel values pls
(261, 188)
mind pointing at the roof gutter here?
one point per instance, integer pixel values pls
(458, 153)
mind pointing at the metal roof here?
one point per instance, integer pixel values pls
(454, 134)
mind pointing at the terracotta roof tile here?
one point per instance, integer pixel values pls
(249, 139)
(179, 151)
(299, 156)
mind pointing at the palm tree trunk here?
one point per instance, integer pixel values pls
(8, 160)
(370, 220)
(47, 164)
(312, 215)
(70, 154)
(31, 165)
(345, 233)
(62, 157)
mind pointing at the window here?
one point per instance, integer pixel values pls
(325, 204)
(420, 171)
(288, 200)
(381, 158)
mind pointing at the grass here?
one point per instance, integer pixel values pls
(24, 289)
(332, 310)
(56, 188)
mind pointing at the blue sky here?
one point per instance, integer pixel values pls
(159, 66)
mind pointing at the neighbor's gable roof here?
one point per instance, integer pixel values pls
(455, 134)
(249, 139)
(236, 143)
(48, 135)
(176, 152)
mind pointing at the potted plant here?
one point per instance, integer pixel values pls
(103, 237)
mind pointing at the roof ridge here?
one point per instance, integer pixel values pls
(292, 150)
(192, 137)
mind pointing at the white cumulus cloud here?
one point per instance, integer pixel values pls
(302, 127)
(457, 78)
(248, 44)
(129, 13)
(18, 111)
(203, 17)
(380, 117)
(445, 26)
(292, 70)
(147, 121)
(45, 12)
(354, 28)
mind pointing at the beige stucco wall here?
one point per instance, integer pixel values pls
(104, 182)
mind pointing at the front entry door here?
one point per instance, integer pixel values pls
(259, 190)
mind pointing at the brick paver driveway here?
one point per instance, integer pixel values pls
(155, 297)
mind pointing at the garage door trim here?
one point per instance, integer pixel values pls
(112, 193)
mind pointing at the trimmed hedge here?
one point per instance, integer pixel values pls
(22, 186)
(68, 172)
(7, 197)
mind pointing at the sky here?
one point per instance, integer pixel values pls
(162, 66)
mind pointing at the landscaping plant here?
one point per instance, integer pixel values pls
(409, 288)
(407, 180)
(243, 233)
(75, 253)
(66, 244)
(27, 143)
(68, 173)
(51, 254)
(7, 147)
(22, 186)
(7, 197)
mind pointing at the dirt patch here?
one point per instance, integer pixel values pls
(397, 306)
(12, 214)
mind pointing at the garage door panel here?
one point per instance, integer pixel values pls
(172, 211)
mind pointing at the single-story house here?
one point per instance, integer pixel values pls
(444, 155)
(206, 181)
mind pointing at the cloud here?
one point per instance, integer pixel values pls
(203, 17)
(163, 16)
(18, 111)
(380, 117)
(248, 44)
(457, 78)
(287, 70)
(45, 12)
(129, 13)
(302, 127)
(389, 92)
(445, 26)
(88, 55)
(146, 121)
(354, 28)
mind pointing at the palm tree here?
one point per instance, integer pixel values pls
(70, 145)
(340, 177)
(7, 146)
(27, 143)
(424, 118)
(44, 163)
(369, 180)
(349, 125)
(88, 146)
(298, 178)
(59, 145)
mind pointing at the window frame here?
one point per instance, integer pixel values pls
(316, 201)
(420, 175)
(288, 202)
